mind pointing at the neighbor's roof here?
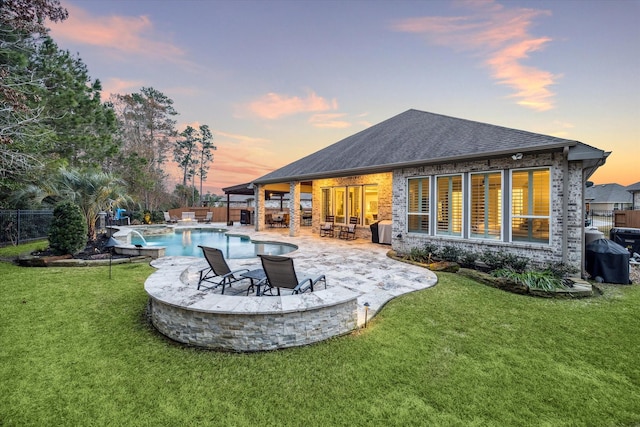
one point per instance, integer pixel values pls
(634, 187)
(415, 138)
(608, 193)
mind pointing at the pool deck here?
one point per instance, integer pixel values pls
(358, 265)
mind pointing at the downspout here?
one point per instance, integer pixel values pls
(565, 203)
(583, 249)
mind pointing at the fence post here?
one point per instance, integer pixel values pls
(18, 227)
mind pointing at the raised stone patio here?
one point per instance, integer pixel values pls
(357, 272)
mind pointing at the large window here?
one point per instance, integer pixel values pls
(354, 203)
(370, 204)
(327, 205)
(345, 202)
(418, 205)
(340, 212)
(449, 205)
(485, 207)
(530, 205)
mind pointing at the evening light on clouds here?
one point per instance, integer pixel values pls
(278, 80)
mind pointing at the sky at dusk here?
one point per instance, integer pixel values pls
(277, 80)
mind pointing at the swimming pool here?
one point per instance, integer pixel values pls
(185, 242)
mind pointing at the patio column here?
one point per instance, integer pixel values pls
(258, 192)
(294, 208)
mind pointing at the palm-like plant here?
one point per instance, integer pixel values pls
(93, 191)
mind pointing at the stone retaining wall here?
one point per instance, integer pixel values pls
(259, 331)
(244, 323)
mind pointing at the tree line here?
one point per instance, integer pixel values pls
(59, 141)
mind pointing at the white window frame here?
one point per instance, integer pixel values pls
(500, 213)
(450, 208)
(530, 216)
(428, 180)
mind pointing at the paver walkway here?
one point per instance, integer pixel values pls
(358, 265)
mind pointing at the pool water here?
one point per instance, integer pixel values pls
(185, 243)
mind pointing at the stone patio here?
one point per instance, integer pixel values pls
(357, 265)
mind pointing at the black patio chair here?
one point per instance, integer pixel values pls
(218, 273)
(326, 229)
(281, 274)
(349, 232)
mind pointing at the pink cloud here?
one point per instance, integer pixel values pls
(128, 35)
(329, 120)
(116, 86)
(274, 106)
(500, 35)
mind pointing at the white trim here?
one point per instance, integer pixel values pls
(468, 209)
(549, 217)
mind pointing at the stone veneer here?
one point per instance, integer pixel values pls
(540, 255)
(246, 323)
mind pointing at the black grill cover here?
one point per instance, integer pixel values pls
(608, 260)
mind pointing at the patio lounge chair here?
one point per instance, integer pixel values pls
(208, 218)
(326, 229)
(168, 219)
(281, 274)
(218, 273)
(349, 232)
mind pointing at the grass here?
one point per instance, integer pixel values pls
(75, 349)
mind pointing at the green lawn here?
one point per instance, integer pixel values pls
(76, 350)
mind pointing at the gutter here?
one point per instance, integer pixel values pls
(388, 167)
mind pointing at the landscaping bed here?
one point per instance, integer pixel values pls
(502, 271)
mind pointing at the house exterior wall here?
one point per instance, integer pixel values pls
(539, 254)
(383, 182)
(636, 200)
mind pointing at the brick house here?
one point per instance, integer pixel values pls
(634, 189)
(449, 182)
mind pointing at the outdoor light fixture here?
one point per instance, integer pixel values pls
(366, 313)
(111, 243)
(517, 156)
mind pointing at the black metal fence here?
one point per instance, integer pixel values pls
(23, 226)
(602, 220)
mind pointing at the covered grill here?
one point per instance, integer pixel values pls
(608, 260)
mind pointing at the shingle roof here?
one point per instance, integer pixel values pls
(414, 138)
(634, 187)
(608, 193)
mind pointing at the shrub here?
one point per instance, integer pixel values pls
(419, 255)
(538, 280)
(432, 249)
(68, 230)
(493, 260)
(468, 259)
(451, 253)
(514, 262)
(499, 260)
(561, 270)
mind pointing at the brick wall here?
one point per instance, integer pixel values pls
(539, 255)
(384, 183)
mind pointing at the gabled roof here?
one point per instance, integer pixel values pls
(415, 138)
(634, 188)
(607, 193)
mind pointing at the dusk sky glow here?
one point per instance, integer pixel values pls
(277, 80)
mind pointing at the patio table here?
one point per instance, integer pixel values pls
(259, 276)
